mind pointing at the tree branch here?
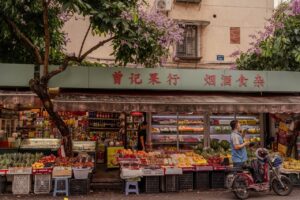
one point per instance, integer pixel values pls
(45, 78)
(101, 43)
(84, 39)
(46, 36)
(24, 38)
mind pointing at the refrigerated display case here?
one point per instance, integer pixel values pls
(40, 144)
(220, 126)
(176, 131)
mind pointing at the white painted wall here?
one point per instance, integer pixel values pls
(249, 15)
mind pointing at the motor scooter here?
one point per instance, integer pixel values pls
(263, 179)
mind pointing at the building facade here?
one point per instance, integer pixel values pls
(214, 29)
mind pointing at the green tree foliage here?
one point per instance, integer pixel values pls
(31, 32)
(278, 46)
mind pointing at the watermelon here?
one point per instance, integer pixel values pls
(225, 144)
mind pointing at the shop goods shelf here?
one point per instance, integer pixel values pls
(170, 183)
(21, 184)
(295, 179)
(201, 180)
(217, 179)
(186, 181)
(151, 184)
(42, 183)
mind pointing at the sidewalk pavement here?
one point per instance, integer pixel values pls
(207, 195)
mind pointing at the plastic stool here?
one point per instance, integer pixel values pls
(132, 184)
(66, 182)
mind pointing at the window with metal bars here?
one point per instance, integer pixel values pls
(188, 47)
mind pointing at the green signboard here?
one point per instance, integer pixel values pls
(158, 79)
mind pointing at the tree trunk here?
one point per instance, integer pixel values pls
(42, 91)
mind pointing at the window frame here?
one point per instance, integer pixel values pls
(184, 55)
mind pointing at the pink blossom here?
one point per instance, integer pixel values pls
(295, 6)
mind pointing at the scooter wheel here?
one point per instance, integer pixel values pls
(287, 186)
(240, 188)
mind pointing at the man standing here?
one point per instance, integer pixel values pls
(238, 146)
(142, 136)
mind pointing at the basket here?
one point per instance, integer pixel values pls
(42, 183)
(186, 182)
(151, 184)
(201, 180)
(79, 187)
(21, 184)
(62, 172)
(81, 173)
(169, 183)
(217, 179)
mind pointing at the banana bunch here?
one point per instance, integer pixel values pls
(38, 165)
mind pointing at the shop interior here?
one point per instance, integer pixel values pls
(102, 134)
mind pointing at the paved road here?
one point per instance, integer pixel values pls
(208, 195)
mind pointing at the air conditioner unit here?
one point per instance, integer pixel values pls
(164, 5)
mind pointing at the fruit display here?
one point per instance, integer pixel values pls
(291, 164)
(225, 145)
(253, 139)
(18, 160)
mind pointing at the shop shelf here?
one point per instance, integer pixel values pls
(42, 183)
(190, 117)
(164, 143)
(107, 129)
(151, 184)
(201, 180)
(170, 183)
(186, 181)
(79, 187)
(108, 119)
(164, 125)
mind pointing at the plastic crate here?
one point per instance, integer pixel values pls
(169, 183)
(295, 179)
(151, 184)
(217, 179)
(186, 181)
(201, 180)
(81, 173)
(79, 186)
(21, 184)
(2, 184)
(42, 183)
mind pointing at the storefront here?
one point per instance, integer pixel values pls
(185, 110)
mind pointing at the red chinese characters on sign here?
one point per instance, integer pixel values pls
(135, 78)
(226, 80)
(210, 80)
(173, 79)
(242, 81)
(154, 79)
(117, 77)
(259, 81)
